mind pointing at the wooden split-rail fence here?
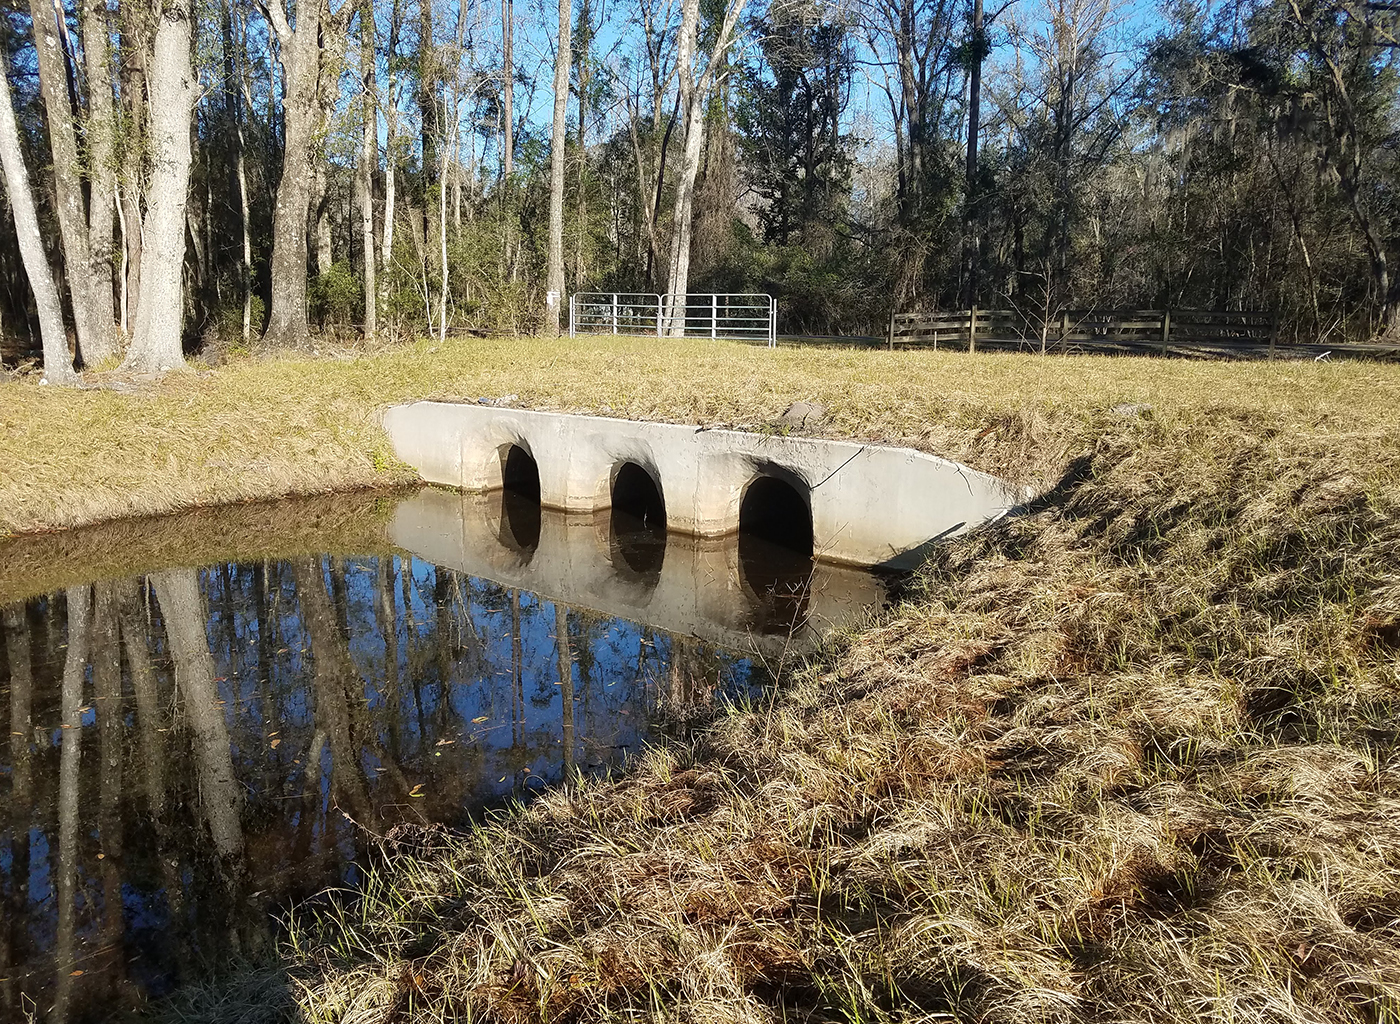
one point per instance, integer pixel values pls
(1139, 330)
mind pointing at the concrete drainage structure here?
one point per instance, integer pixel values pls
(857, 504)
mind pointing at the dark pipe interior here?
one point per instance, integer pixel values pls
(773, 511)
(636, 494)
(520, 499)
(520, 473)
(775, 553)
(638, 522)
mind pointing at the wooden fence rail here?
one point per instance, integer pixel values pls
(1159, 330)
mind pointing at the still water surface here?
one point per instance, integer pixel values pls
(192, 748)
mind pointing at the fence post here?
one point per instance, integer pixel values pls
(658, 317)
(1166, 328)
(714, 316)
(890, 337)
(614, 312)
(772, 322)
(972, 331)
(1273, 335)
(572, 299)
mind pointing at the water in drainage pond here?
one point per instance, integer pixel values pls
(192, 747)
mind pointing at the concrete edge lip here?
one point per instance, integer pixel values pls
(871, 505)
(584, 418)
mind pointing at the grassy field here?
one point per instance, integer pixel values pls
(262, 428)
(1131, 756)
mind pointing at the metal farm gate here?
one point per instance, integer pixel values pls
(731, 315)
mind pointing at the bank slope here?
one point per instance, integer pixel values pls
(1134, 755)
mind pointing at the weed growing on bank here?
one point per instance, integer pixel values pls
(1133, 755)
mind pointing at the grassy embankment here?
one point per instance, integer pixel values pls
(1132, 756)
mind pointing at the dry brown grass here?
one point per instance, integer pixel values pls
(304, 425)
(1131, 756)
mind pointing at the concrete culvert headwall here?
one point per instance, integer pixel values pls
(772, 510)
(840, 501)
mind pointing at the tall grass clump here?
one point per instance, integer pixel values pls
(1130, 755)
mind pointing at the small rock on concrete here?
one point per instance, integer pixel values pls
(803, 414)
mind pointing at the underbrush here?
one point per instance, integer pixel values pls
(1133, 755)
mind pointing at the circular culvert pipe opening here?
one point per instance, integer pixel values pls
(775, 553)
(520, 499)
(637, 526)
(772, 510)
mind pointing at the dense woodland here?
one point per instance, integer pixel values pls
(205, 175)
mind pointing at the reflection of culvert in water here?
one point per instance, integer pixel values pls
(520, 499)
(775, 553)
(637, 523)
(778, 581)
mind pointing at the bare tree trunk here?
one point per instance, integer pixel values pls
(442, 247)
(325, 255)
(288, 325)
(692, 97)
(391, 123)
(136, 24)
(235, 96)
(182, 607)
(678, 275)
(507, 87)
(95, 343)
(554, 280)
(369, 158)
(303, 118)
(156, 345)
(101, 125)
(58, 364)
(974, 128)
(678, 280)
(247, 282)
(585, 38)
(132, 238)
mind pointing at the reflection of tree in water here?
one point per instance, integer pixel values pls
(181, 748)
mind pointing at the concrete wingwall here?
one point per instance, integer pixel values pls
(871, 505)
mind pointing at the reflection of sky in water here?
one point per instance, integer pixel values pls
(462, 708)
